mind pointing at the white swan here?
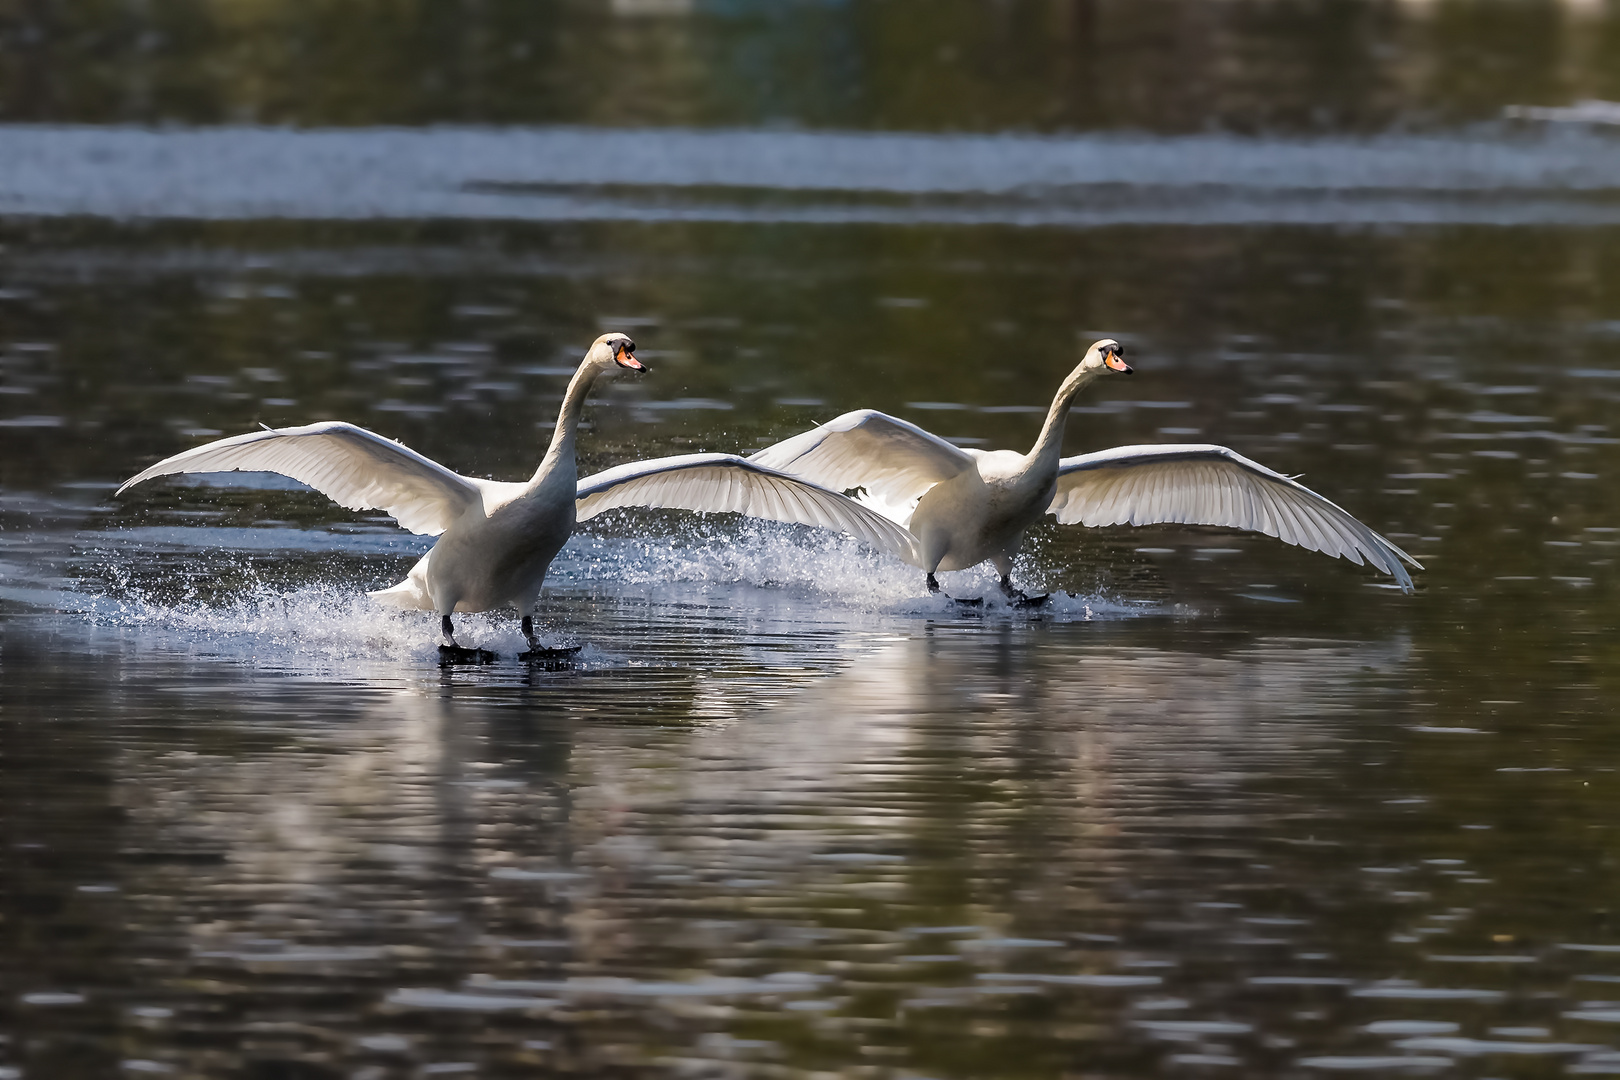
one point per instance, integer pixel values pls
(496, 539)
(963, 506)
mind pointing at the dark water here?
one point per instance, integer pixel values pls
(1228, 809)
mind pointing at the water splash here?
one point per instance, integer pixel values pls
(309, 626)
(803, 564)
(294, 600)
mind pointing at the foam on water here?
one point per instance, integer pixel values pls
(787, 579)
(809, 565)
(803, 562)
(311, 626)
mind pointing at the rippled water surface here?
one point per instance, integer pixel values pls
(1222, 808)
(1229, 806)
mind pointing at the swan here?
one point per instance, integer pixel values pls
(963, 506)
(497, 539)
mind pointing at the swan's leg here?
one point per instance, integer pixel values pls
(933, 587)
(1018, 596)
(552, 659)
(935, 542)
(451, 653)
(1004, 564)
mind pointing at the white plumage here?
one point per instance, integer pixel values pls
(355, 468)
(497, 540)
(893, 460)
(721, 483)
(1203, 484)
(964, 506)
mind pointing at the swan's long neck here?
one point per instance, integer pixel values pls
(1049, 447)
(560, 454)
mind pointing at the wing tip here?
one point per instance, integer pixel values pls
(141, 477)
(1402, 578)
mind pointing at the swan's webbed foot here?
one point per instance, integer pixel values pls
(550, 658)
(451, 653)
(455, 654)
(933, 587)
(1020, 598)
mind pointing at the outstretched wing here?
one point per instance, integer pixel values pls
(896, 462)
(353, 467)
(716, 483)
(1200, 484)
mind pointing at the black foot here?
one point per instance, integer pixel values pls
(933, 587)
(552, 658)
(1018, 597)
(455, 654)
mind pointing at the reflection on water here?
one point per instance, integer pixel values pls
(472, 873)
(1046, 65)
(935, 849)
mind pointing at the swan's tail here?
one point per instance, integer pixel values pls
(405, 595)
(410, 594)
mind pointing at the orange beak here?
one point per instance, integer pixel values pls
(627, 359)
(1113, 361)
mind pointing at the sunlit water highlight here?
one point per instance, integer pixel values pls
(1490, 176)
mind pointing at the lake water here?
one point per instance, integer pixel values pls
(1223, 808)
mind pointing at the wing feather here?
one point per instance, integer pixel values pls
(895, 461)
(1201, 484)
(1292, 530)
(353, 467)
(715, 483)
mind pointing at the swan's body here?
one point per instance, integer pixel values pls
(496, 554)
(497, 539)
(965, 506)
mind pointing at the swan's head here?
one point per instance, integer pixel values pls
(1108, 354)
(614, 350)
